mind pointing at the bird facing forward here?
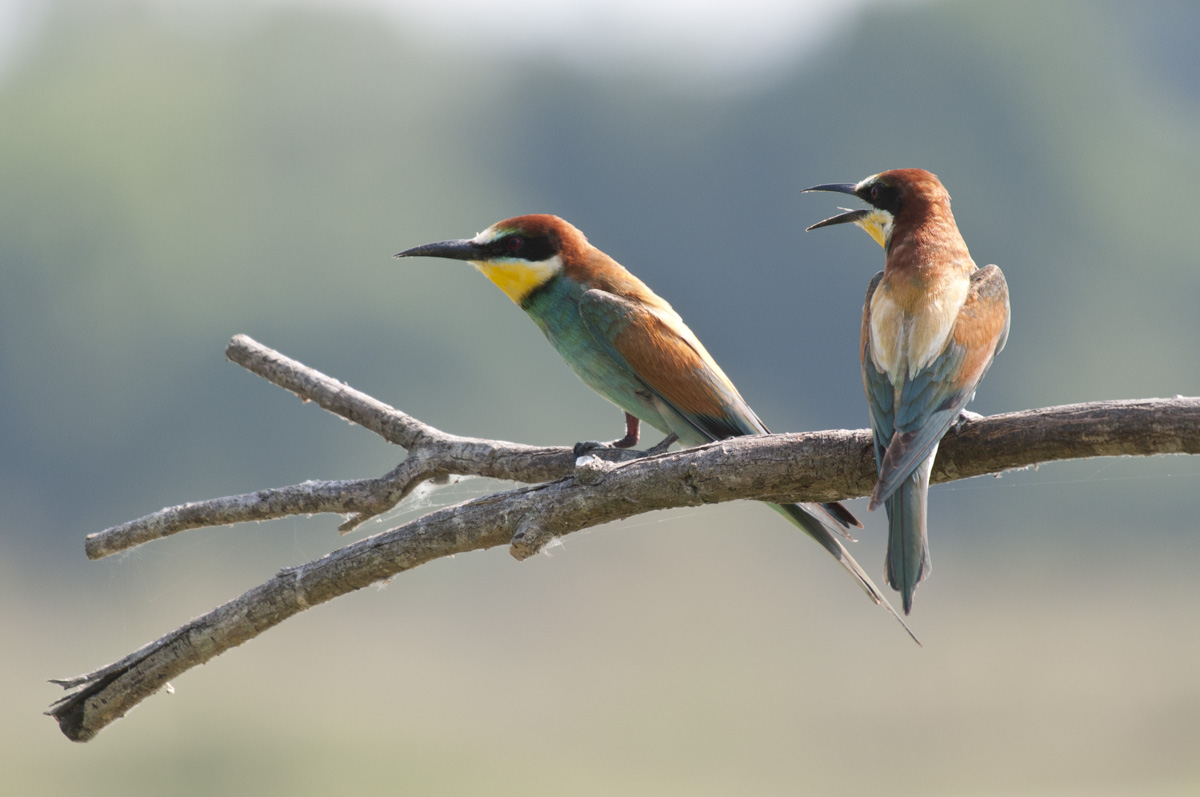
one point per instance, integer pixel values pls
(629, 346)
(932, 323)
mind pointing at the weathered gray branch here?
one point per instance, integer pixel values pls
(432, 453)
(820, 466)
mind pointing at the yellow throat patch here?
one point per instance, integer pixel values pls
(518, 277)
(877, 223)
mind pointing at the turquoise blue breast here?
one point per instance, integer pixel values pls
(555, 309)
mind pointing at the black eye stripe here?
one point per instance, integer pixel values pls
(883, 196)
(533, 249)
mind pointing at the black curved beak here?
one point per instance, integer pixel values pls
(465, 249)
(841, 188)
(841, 218)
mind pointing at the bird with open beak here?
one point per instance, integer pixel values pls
(932, 323)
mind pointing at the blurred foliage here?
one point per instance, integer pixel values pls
(166, 182)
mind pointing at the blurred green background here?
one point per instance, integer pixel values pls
(174, 173)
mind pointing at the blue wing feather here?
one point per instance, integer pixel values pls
(929, 405)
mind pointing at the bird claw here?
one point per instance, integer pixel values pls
(964, 417)
(662, 446)
(589, 446)
(622, 452)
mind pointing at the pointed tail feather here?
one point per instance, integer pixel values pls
(805, 518)
(908, 545)
(844, 517)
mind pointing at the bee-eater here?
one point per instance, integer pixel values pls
(629, 346)
(932, 323)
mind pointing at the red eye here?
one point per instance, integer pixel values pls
(874, 192)
(513, 244)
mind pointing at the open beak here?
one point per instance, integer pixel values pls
(841, 218)
(876, 222)
(465, 249)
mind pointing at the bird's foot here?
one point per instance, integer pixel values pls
(621, 449)
(662, 446)
(591, 446)
(964, 417)
(632, 432)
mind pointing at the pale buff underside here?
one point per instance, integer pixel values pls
(902, 344)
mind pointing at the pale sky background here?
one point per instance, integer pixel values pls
(754, 37)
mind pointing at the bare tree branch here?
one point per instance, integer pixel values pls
(432, 454)
(576, 494)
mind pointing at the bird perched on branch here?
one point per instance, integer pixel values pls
(629, 346)
(932, 323)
